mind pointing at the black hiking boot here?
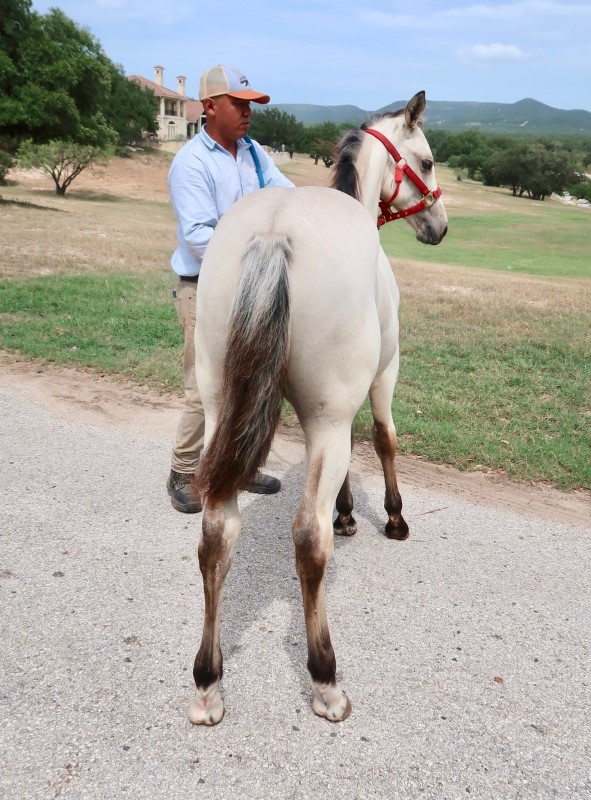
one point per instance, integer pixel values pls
(182, 493)
(265, 484)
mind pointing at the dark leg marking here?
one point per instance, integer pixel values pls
(214, 562)
(311, 565)
(345, 523)
(385, 445)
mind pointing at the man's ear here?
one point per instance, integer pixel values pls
(209, 105)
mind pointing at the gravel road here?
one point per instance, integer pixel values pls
(465, 650)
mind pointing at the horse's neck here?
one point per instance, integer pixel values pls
(370, 169)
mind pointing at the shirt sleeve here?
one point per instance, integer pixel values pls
(192, 194)
(271, 173)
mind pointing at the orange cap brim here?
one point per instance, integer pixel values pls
(250, 94)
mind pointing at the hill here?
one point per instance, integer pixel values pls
(524, 116)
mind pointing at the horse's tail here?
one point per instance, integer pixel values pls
(255, 371)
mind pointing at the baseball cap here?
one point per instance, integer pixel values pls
(228, 80)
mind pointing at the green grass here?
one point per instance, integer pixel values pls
(495, 363)
(548, 240)
(499, 384)
(115, 323)
(486, 400)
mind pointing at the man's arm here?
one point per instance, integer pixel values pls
(192, 197)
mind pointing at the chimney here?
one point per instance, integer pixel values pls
(159, 76)
(180, 84)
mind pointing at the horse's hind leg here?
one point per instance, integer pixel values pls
(345, 524)
(328, 460)
(384, 440)
(221, 526)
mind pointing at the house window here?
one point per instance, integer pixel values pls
(171, 130)
(169, 108)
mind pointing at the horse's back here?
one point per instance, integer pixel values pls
(333, 239)
(335, 327)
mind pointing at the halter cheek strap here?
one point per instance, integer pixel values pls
(401, 169)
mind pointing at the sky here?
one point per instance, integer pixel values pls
(367, 53)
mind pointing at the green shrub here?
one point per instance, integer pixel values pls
(582, 190)
(6, 162)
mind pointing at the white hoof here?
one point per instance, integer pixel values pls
(207, 707)
(330, 702)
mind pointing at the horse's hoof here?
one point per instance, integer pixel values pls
(348, 528)
(207, 707)
(397, 530)
(331, 703)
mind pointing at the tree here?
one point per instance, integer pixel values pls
(505, 167)
(549, 168)
(64, 79)
(15, 23)
(320, 140)
(131, 110)
(468, 149)
(64, 161)
(533, 168)
(436, 138)
(276, 128)
(57, 84)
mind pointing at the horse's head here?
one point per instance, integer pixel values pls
(409, 187)
(389, 163)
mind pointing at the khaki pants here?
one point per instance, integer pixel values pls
(191, 427)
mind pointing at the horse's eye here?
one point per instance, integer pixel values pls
(427, 165)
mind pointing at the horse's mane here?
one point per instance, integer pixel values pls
(345, 177)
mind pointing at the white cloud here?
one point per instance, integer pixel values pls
(528, 12)
(521, 9)
(486, 53)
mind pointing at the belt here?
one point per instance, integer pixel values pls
(189, 278)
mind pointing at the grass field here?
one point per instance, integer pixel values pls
(495, 331)
(493, 230)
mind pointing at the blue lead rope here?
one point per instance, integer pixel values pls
(257, 163)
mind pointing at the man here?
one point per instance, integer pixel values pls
(209, 174)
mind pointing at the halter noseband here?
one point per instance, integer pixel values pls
(402, 168)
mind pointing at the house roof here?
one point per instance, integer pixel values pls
(159, 91)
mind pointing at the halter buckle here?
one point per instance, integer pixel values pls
(429, 199)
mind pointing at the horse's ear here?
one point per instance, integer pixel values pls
(414, 110)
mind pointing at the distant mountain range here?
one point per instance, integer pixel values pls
(525, 116)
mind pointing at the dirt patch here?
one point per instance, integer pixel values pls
(141, 177)
(97, 400)
(144, 176)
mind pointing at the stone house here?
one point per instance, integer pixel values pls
(180, 117)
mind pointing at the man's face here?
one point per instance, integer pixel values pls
(229, 116)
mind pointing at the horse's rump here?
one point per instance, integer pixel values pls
(304, 304)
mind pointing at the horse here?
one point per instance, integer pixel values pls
(298, 300)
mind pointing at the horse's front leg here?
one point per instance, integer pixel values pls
(220, 530)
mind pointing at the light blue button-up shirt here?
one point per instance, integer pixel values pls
(204, 181)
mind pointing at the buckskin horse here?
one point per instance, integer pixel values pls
(297, 300)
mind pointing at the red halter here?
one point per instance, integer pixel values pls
(401, 167)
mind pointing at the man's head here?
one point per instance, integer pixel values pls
(222, 80)
(226, 96)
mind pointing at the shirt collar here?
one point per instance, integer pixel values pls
(212, 144)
